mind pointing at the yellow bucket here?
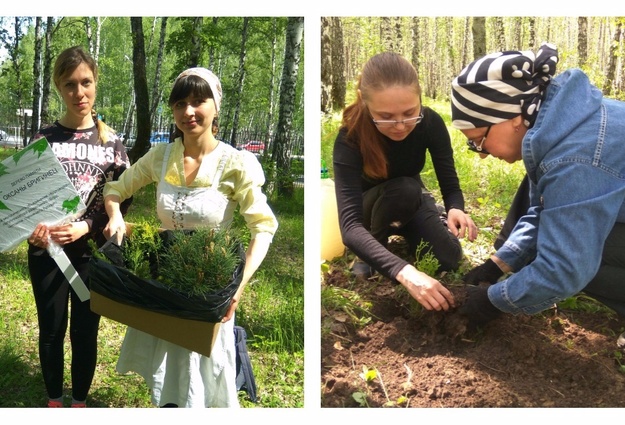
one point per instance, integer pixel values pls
(331, 243)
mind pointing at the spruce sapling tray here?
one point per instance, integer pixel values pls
(175, 285)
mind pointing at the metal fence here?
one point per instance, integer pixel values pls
(253, 140)
(12, 137)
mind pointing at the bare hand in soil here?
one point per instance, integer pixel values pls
(429, 292)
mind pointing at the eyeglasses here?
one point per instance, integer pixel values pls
(408, 122)
(474, 147)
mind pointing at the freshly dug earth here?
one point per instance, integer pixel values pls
(563, 357)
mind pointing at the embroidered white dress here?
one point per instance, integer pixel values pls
(175, 374)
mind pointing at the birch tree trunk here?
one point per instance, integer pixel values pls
(272, 84)
(500, 34)
(612, 60)
(582, 41)
(398, 44)
(386, 34)
(338, 65)
(240, 81)
(531, 23)
(416, 53)
(196, 43)
(465, 42)
(326, 66)
(34, 126)
(47, 72)
(156, 93)
(281, 148)
(479, 37)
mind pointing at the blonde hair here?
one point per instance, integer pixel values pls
(67, 61)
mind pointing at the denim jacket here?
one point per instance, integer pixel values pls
(575, 159)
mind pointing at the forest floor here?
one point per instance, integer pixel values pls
(406, 356)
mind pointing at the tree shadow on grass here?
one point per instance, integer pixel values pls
(20, 384)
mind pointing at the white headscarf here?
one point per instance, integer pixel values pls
(210, 78)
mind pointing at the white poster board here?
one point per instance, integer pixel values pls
(35, 189)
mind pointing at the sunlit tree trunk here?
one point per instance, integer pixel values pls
(518, 33)
(156, 94)
(582, 40)
(240, 81)
(326, 66)
(271, 86)
(47, 72)
(416, 53)
(281, 149)
(212, 60)
(196, 43)
(398, 45)
(500, 33)
(531, 26)
(612, 60)
(465, 42)
(386, 34)
(36, 76)
(479, 36)
(338, 65)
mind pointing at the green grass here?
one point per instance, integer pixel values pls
(271, 311)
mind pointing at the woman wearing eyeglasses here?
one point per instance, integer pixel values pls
(378, 156)
(570, 138)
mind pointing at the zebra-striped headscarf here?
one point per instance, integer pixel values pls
(501, 86)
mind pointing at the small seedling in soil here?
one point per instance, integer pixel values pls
(368, 375)
(361, 399)
(426, 262)
(402, 400)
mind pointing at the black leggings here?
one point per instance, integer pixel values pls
(401, 206)
(518, 208)
(608, 285)
(52, 293)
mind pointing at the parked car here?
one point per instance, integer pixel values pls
(7, 139)
(159, 137)
(254, 146)
(127, 141)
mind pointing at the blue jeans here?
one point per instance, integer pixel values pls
(402, 206)
(608, 285)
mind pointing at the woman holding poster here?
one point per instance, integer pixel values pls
(91, 154)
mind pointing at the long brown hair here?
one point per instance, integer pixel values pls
(381, 71)
(67, 61)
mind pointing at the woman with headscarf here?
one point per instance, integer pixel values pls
(572, 142)
(200, 183)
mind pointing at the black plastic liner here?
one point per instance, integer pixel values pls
(121, 285)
